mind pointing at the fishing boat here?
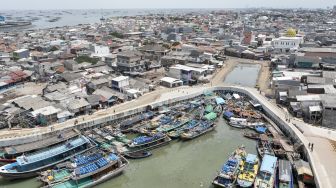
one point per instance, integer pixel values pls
(238, 122)
(284, 175)
(177, 133)
(138, 155)
(145, 143)
(128, 124)
(264, 148)
(248, 171)
(10, 153)
(267, 173)
(88, 174)
(254, 136)
(229, 171)
(202, 128)
(28, 165)
(278, 149)
(172, 126)
(118, 135)
(165, 120)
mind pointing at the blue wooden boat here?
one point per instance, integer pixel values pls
(228, 174)
(267, 173)
(29, 165)
(86, 170)
(202, 128)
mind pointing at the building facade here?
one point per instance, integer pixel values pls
(130, 61)
(286, 44)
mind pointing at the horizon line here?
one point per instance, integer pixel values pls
(161, 8)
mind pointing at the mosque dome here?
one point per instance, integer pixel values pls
(291, 32)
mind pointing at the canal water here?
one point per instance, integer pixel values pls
(244, 75)
(182, 164)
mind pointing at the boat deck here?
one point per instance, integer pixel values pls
(61, 175)
(18, 149)
(41, 155)
(278, 136)
(72, 184)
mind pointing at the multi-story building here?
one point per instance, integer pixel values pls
(329, 111)
(130, 61)
(120, 82)
(22, 53)
(286, 44)
(186, 73)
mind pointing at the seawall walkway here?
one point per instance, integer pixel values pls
(322, 159)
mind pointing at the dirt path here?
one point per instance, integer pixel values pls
(264, 78)
(220, 76)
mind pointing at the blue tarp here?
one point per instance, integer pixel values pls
(251, 158)
(228, 114)
(220, 100)
(268, 164)
(261, 129)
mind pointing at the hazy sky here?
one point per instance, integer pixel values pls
(117, 4)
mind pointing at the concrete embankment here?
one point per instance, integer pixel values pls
(271, 111)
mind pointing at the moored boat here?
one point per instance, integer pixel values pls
(238, 122)
(248, 171)
(250, 135)
(202, 128)
(177, 133)
(264, 148)
(145, 143)
(138, 155)
(128, 124)
(172, 126)
(10, 153)
(29, 165)
(88, 174)
(229, 171)
(284, 175)
(266, 175)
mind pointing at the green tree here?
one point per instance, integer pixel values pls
(117, 35)
(52, 49)
(176, 43)
(88, 59)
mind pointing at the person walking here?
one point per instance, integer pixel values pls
(309, 145)
(312, 147)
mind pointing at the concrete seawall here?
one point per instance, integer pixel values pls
(270, 111)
